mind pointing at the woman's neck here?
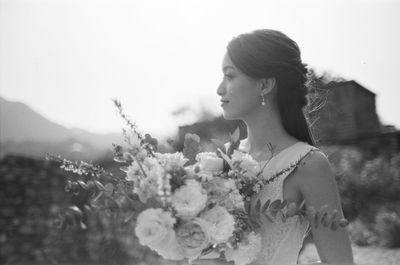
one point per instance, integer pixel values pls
(264, 129)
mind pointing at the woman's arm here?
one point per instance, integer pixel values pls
(317, 186)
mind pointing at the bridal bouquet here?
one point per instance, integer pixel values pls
(199, 208)
(184, 205)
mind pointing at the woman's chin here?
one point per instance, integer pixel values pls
(228, 116)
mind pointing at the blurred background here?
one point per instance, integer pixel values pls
(62, 63)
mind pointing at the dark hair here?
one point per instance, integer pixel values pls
(269, 53)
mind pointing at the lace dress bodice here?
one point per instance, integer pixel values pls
(281, 241)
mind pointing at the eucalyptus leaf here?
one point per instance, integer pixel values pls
(325, 219)
(335, 225)
(119, 159)
(275, 205)
(283, 216)
(258, 205)
(268, 217)
(343, 222)
(75, 210)
(283, 204)
(83, 184)
(316, 219)
(265, 206)
(99, 185)
(82, 225)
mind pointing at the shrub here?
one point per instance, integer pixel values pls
(387, 227)
(360, 234)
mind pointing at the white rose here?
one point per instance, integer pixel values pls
(247, 163)
(210, 162)
(222, 224)
(247, 250)
(153, 225)
(134, 173)
(154, 228)
(225, 193)
(172, 158)
(193, 236)
(237, 156)
(189, 199)
(145, 184)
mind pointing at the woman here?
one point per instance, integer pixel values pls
(264, 85)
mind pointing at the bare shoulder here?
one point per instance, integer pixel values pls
(315, 172)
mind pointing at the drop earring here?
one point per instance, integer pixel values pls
(262, 100)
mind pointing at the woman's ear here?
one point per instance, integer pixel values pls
(267, 85)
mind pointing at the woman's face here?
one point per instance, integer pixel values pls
(240, 94)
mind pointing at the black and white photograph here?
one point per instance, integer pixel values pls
(189, 132)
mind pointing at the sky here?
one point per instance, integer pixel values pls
(67, 59)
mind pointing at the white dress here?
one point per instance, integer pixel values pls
(281, 241)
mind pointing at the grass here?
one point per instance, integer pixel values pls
(362, 255)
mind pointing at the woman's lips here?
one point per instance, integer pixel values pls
(224, 102)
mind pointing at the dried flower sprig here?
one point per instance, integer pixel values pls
(147, 142)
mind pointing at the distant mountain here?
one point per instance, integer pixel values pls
(24, 131)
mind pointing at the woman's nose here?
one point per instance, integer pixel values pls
(221, 89)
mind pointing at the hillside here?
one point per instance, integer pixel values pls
(24, 131)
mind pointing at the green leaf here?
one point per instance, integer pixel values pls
(83, 184)
(283, 204)
(191, 147)
(275, 205)
(75, 188)
(75, 210)
(335, 225)
(109, 188)
(333, 217)
(302, 218)
(268, 217)
(236, 135)
(226, 158)
(265, 206)
(247, 207)
(325, 219)
(311, 215)
(283, 216)
(219, 144)
(316, 219)
(302, 204)
(82, 225)
(257, 211)
(258, 205)
(151, 141)
(291, 209)
(343, 222)
(119, 159)
(323, 208)
(99, 185)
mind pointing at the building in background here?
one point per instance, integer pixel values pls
(347, 116)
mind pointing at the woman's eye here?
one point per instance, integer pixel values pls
(228, 76)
